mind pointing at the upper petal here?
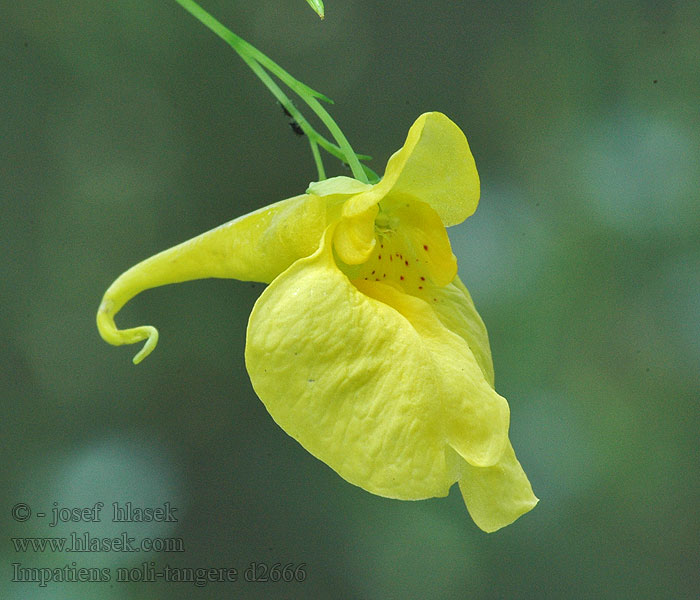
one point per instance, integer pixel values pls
(435, 165)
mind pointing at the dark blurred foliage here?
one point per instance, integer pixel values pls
(127, 127)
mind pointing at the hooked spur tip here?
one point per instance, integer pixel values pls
(119, 337)
(150, 344)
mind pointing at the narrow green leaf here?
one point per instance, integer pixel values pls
(317, 5)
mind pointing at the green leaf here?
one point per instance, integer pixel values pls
(317, 5)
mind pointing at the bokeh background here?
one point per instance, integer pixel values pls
(126, 127)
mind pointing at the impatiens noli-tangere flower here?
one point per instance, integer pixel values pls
(366, 347)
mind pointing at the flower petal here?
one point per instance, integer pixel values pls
(354, 238)
(369, 381)
(425, 240)
(435, 165)
(476, 418)
(455, 309)
(351, 380)
(410, 247)
(496, 496)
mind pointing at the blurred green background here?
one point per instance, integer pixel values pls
(126, 127)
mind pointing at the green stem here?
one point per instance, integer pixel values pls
(256, 60)
(317, 159)
(350, 156)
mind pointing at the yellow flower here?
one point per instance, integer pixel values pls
(366, 347)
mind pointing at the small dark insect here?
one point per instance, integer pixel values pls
(296, 128)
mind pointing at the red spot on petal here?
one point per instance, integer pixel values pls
(391, 258)
(406, 262)
(420, 287)
(401, 277)
(372, 273)
(422, 278)
(425, 247)
(380, 257)
(382, 245)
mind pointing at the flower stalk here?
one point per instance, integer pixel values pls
(261, 64)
